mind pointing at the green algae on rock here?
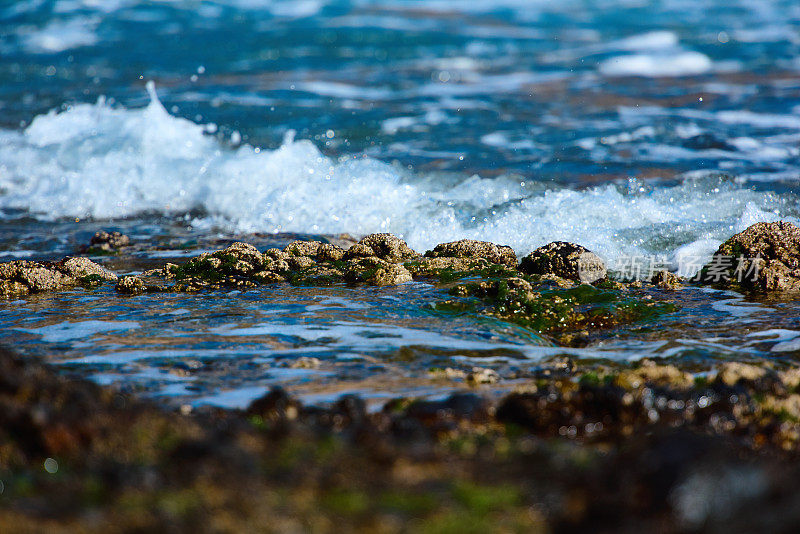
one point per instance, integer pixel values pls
(549, 306)
(764, 257)
(374, 260)
(475, 250)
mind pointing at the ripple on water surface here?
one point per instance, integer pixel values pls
(226, 348)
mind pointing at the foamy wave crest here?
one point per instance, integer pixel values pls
(105, 162)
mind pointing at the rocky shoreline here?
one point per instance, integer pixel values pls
(576, 446)
(645, 448)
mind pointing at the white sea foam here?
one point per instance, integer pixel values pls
(106, 162)
(58, 36)
(686, 63)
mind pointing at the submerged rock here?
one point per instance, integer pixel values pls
(542, 305)
(22, 276)
(764, 257)
(472, 249)
(666, 280)
(566, 260)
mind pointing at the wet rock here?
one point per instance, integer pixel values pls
(107, 242)
(268, 277)
(386, 247)
(328, 252)
(666, 280)
(764, 257)
(435, 266)
(359, 250)
(390, 275)
(305, 362)
(790, 378)
(300, 262)
(275, 254)
(21, 276)
(650, 372)
(131, 285)
(480, 375)
(39, 278)
(275, 406)
(81, 267)
(242, 252)
(316, 275)
(731, 373)
(566, 260)
(448, 412)
(276, 265)
(469, 248)
(302, 248)
(447, 373)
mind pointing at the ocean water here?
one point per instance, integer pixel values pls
(638, 129)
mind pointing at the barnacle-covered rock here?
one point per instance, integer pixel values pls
(764, 257)
(472, 249)
(566, 260)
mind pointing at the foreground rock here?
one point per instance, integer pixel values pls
(566, 260)
(22, 277)
(642, 450)
(765, 257)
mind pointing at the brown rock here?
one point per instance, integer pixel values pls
(390, 275)
(731, 373)
(108, 241)
(328, 252)
(666, 280)
(469, 248)
(388, 247)
(302, 248)
(39, 278)
(243, 252)
(300, 262)
(268, 277)
(765, 257)
(79, 267)
(434, 266)
(359, 250)
(566, 260)
(130, 285)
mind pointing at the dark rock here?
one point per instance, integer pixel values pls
(450, 411)
(469, 248)
(666, 280)
(384, 246)
(131, 285)
(107, 242)
(276, 405)
(565, 260)
(765, 257)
